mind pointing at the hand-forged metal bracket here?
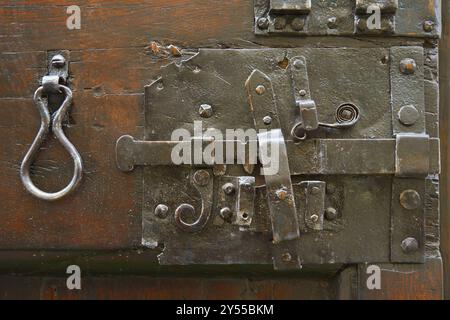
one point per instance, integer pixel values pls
(347, 114)
(275, 168)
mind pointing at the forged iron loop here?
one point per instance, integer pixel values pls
(56, 125)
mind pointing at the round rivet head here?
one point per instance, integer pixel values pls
(263, 23)
(226, 213)
(408, 66)
(410, 200)
(410, 245)
(267, 120)
(202, 177)
(279, 23)
(428, 26)
(260, 89)
(298, 24)
(332, 23)
(287, 257)
(161, 211)
(297, 65)
(314, 218)
(205, 111)
(302, 93)
(331, 214)
(281, 194)
(58, 61)
(228, 188)
(408, 115)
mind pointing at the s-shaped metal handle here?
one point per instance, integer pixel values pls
(56, 126)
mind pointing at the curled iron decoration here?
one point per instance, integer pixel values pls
(56, 125)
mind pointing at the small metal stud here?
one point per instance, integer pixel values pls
(161, 211)
(228, 188)
(205, 111)
(267, 120)
(410, 245)
(428, 26)
(263, 23)
(410, 199)
(260, 89)
(408, 66)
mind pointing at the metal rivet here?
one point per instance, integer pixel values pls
(332, 23)
(281, 194)
(226, 213)
(202, 177)
(286, 257)
(408, 115)
(58, 61)
(298, 24)
(205, 111)
(302, 93)
(298, 64)
(428, 26)
(245, 216)
(410, 245)
(263, 23)
(315, 190)
(314, 218)
(161, 211)
(408, 66)
(228, 188)
(260, 89)
(410, 199)
(279, 23)
(330, 214)
(267, 120)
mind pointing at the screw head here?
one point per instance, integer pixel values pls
(408, 66)
(161, 211)
(226, 213)
(202, 177)
(410, 245)
(428, 26)
(263, 23)
(330, 214)
(410, 199)
(228, 188)
(298, 24)
(279, 23)
(205, 111)
(267, 120)
(408, 115)
(332, 23)
(260, 89)
(58, 61)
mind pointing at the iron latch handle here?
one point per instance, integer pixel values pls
(50, 85)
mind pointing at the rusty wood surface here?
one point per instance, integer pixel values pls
(405, 282)
(144, 288)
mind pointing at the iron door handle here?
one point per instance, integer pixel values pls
(56, 125)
